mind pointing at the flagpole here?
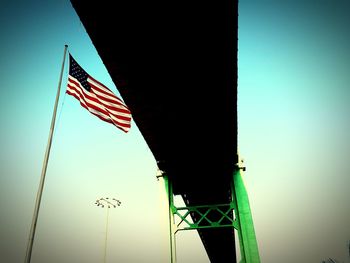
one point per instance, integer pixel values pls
(43, 171)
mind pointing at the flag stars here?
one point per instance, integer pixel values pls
(100, 101)
(77, 72)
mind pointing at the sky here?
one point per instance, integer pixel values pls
(293, 134)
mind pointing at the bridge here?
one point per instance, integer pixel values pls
(175, 66)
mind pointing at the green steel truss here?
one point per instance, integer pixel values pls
(202, 212)
(236, 214)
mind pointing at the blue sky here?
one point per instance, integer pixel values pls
(293, 109)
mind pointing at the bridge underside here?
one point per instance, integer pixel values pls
(175, 65)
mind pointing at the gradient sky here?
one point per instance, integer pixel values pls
(294, 123)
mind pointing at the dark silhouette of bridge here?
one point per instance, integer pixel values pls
(175, 66)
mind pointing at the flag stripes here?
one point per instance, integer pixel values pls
(97, 98)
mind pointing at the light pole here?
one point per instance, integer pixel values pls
(108, 203)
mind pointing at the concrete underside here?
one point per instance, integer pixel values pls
(175, 65)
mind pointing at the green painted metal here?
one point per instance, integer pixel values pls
(236, 214)
(246, 232)
(223, 219)
(172, 241)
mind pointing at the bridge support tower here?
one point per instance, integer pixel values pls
(235, 214)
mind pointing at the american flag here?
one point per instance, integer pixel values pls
(96, 97)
